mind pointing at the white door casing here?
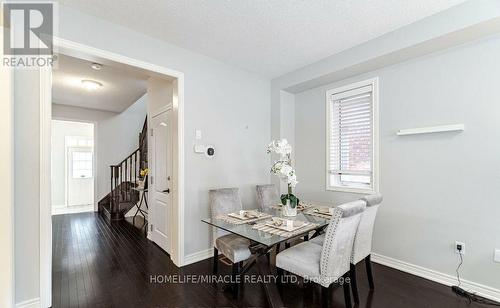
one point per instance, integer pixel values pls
(6, 183)
(160, 183)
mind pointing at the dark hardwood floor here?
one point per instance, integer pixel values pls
(96, 264)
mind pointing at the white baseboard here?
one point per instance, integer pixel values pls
(31, 303)
(447, 280)
(198, 256)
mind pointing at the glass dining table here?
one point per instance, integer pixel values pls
(263, 244)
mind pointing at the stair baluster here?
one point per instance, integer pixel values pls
(123, 178)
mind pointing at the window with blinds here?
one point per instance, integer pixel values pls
(350, 157)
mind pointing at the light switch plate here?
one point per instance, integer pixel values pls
(200, 149)
(497, 255)
(197, 134)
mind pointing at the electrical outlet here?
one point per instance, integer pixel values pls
(497, 256)
(460, 248)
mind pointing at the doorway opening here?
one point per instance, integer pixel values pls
(117, 173)
(72, 167)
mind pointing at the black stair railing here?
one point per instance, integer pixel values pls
(143, 145)
(123, 179)
(124, 175)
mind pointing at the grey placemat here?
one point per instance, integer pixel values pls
(265, 228)
(236, 221)
(313, 213)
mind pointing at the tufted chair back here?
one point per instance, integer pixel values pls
(363, 240)
(339, 240)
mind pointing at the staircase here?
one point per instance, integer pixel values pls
(122, 197)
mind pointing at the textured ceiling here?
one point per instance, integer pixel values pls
(269, 37)
(121, 88)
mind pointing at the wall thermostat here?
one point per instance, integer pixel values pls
(210, 151)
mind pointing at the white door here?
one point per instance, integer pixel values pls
(160, 180)
(80, 179)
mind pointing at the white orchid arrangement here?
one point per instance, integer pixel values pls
(283, 168)
(281, 147)
(284, 171)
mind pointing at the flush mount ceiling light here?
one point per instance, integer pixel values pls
(96, 66)
(91, 85)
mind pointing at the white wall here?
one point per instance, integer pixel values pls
(160, 94)
(287, 128)
(80, 114)
(230, 105)
(61, 130)
(458, 25)
(26, 185)
(117, 136)
(437, 188)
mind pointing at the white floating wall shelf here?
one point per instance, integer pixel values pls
(431, 129)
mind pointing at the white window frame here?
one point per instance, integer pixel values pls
(82, 149)
(376, 144)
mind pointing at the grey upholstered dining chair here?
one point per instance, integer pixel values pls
(362, 242)
(232, 246)
(267, 195)
(327, 263)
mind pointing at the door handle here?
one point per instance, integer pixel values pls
(167, 190)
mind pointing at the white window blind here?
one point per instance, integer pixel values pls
(350, 133)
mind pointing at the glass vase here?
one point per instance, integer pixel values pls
(288, 210)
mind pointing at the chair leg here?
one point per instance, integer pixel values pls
(234, 275)
(369, 273)
(216, 260)
(308, 292)
(347, 291)
(354, 284)
(325, 296)
(240, 268)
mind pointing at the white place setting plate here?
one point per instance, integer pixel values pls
(323, 210)
(286, 224)
(246, 215)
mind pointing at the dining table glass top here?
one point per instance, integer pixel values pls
(246, 230)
